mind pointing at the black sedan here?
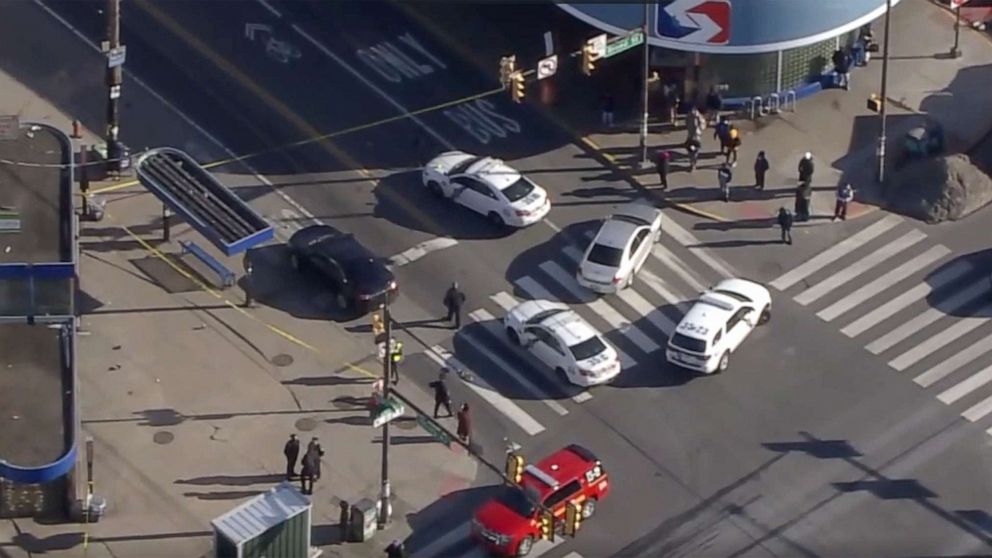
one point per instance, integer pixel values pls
(359, 280)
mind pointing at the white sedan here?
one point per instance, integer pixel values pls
(487, 186)
(565, 342)
(620, 248)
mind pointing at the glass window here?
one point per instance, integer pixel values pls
(518, 190)
(605, 255)
(690, 344)
(588, 348)
(638, 240)
(733, 295)
(540, 316)
(562, 494)
(462, 166)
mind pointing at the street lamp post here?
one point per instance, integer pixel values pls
(956, 49)
(885, 102)
(644, 90)
(387, 362)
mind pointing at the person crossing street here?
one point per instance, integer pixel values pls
(464, 429)
(453, 301)
(662, 164)
(441, 395)
(761, 166)
(724, 176)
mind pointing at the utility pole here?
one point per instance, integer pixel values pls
(644, 90)
(956, 49)
(387, 363)
(885, 102)
(114, 78)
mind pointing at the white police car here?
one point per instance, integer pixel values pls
(717, 324)
(487, 186)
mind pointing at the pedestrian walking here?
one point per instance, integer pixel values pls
(760, 169)
(308, 472)
(692, 147)
(662, 164)
(396, 549)
(441, 395)
(292, 451)
(695, 123)
(722, 132)
(314, 448)
(464, 429)
(733, 145)
(806, 168)
(453, 301)
(869, 46)
(724, 176)
(714, 104)
(672, 101)
(845, 195)
(785, 222)
(607, 105)
(804, 195)
(842, 67)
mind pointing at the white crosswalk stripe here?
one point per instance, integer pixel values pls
(646, 309)
(966, 386)
(979, 410)
(857, 268)
(658, 285)
(482, 388)
(959, 359)
(505, 300)
(943, 277)
(884, 282)
(836, 252)
(671, 261)
(942, 339)
(685, 238)
(949, 306)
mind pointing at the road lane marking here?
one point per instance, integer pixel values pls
(951, 305)
(857, 268)
(493, 325)
(483, 389)
(942, 339)
(616, 320)
(936, 281)
(269, 7)
(505, 300)
(650, 312)
(978, 410)
(965, 387)
(958, 360)
(536, 291)
(658, 285)
(413, 254)
(667, 257)
(573, 253)
(884, 282)
(685, 238)
(836, 252)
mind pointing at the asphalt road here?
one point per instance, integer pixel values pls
(808, 446)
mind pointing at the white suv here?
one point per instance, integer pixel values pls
(561, 339)
(717, 324)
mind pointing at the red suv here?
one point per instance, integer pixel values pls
(509, 524)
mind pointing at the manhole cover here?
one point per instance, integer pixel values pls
(163, 437)
(282, 360)
(306, 424)
(405, 423)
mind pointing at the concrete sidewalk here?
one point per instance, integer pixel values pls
(835, 125)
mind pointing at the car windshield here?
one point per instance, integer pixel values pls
(631, 219)
(460, 167)
(689, 343)
(516, 499)
(540, 316)
(734, 295)
(369, 275)
(605, 255)
(518, 190)
(588, 348)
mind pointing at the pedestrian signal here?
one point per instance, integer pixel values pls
(875, 103)
(517, 87)
(507, 65)
(573, 518)
(547, 525)
(378, 327)
(588, 60)
(515, 468)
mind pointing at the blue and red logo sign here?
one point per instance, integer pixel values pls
(694, 21)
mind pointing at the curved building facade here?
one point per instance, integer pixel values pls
(745, 47)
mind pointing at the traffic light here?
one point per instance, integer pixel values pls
(875, 103)
(507, 65)
(517, 86)
(547, 525)
(588, 60)
(378, 327)
(573, 518)
(514, 467)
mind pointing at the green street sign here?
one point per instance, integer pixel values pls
(620, 44)
(387, 411)
(434, 430)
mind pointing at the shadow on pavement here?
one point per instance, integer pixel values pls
(550, 254)
(220, 495)
(446, 514)
(232, 480)
(325, 381)
(962, 286)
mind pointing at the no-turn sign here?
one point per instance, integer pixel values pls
(547, 67)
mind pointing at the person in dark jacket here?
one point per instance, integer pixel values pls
(308, 472)
(724, 176)
(441, 395)
(845, 195)
(314, 448)
(722, 132)
(804, 195)
(662, 164)
(806, 168)
(842, 65)
(453, 301)
(464, 429)
(292, 451)
(396, 549)
(607, 104)
(785, 222)
(714, 104)
(760, 169)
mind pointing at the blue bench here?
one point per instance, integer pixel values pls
(226, 275)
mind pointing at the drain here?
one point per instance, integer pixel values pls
(306, 424)
(163, 437)
(282, 360)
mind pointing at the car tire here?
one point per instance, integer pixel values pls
(724, 362)
(435, 188)
(496, 219)
(766, 315)
(525, 546)
(512, 336)
(588, 508)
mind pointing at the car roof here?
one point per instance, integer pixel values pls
(562, 466)
(616, 233)
(569, 327)
(710, 309)
(494, 172)
(327, 240)
(643, 213)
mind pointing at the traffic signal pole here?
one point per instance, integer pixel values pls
(114, 75)
(387, 361)
(644, 91)
(885, 103)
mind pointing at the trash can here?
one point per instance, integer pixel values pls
(363, 521)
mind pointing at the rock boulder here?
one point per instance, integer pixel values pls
(938, 189)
